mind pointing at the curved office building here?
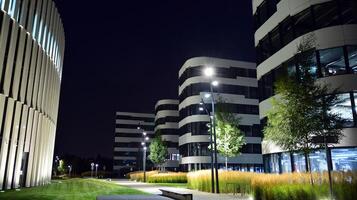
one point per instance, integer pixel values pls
(238, 89)
(166, 124)
(31, 59)
(281, 25)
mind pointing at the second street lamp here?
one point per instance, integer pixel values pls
(210, 72)
(143, 144)
(204, 108)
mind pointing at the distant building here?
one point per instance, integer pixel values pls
(32, 46)
(280, 26)
(238, 89)
(166, 124)
(128, 150)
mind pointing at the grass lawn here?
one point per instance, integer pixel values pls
(72, 189)
(177, 185)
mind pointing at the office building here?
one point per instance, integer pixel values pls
(128, 150)
(32, 46)
(238, 90)
(280, 26)
(166, 125)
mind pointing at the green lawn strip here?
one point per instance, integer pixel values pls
(177, 185)
(73, 189)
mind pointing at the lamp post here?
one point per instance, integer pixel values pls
(143, 144)
(204, 108)
(96, 170)
(209, 72)
(91, 169)
(69, 170)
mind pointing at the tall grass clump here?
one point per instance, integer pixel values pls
(288, 186)
(139, 175)
(170, 177)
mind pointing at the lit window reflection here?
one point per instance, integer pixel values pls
(344, 159)
(332, 61)
(344, 109)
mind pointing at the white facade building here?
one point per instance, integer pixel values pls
(238, 90)
(166, 124)
(128, 150)
(32, 46)
(281, 25)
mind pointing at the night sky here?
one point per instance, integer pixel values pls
(125, 55)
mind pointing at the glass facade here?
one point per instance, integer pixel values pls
(316, 17)
(343, 159)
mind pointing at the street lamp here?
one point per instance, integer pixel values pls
(209, 72)
(143, 143)
(69, 170)
(204, 108)
(96, 170)
(91, 168)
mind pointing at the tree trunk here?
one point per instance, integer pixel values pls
(309, 168)
(226, 163)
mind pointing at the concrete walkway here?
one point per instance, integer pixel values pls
(197, 195)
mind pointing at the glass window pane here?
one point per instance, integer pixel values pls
(349, 11)
(344, 159)
(332, 62)
(352, 58)
(275, 39)
(285, 162)
(318, 161)
(344, 109)
(274, 163)
(299, 162)
(326, 14)
(303, 22)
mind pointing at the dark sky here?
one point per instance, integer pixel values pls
(125, 55)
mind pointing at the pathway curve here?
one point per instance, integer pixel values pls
(197, 195)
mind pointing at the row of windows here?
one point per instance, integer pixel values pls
(323, 63)
(316, 17)
(131, 135)
(236, 167)
(163, 120)
(223, 72)
(169, 131)
(166, 107)
(201, 149)
(264, 11)
(169, 144)
(197, 88)
(342, 159)
(126, 153)
(226, 107)
(135, 126)
(127, 117)
(202, 128)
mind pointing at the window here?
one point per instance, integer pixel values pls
(344, 109)
(303, 22)
(285, 162)
(318, 161)
(299, 162)
(349, 11)
(287, 32)
(274, 163)
(326, 14)
(307, 61)
(332, 62)
(344, 159)
(275, 39)
(352, 58)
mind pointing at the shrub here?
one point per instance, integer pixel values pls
(139, 175)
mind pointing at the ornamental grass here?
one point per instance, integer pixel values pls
(159, 177)
(170, 177)
(288, 186)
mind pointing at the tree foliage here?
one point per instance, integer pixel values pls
(230, 138)
(61, 167)
(302, 108)
(158, 150)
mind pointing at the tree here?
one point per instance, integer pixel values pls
(158, 150)
(230, 138)
(302, 109)
(61, 167)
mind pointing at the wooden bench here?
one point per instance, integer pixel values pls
(177, 195)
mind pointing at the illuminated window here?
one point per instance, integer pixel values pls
(332, 62)
(344, 109)
(299, 162)
(352, 58)
(344, 159)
